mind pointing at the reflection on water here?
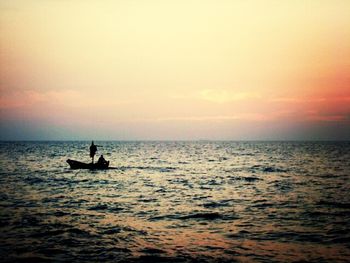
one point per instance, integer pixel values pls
(176, 201)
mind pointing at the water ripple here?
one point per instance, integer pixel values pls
(176, 201)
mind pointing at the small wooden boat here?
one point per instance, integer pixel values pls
(92, 166)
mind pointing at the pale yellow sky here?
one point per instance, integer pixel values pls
(174, 69)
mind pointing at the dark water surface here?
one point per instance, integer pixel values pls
(176, 201)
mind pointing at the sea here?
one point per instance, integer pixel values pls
(163, 201)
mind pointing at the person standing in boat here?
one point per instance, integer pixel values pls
(93, 150)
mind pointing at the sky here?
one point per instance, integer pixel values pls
(174, 70)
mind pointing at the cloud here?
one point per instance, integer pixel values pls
(326, 116)
(310, 100)
(257, 117)
(224, 95)
(65, 97)
(19, 99)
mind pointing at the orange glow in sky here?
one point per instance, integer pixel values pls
(174, 69)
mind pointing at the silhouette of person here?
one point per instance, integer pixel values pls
(101, 160)
(93, 150)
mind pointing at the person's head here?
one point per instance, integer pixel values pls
(92, 142)
(101, 156)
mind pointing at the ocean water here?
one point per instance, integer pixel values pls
(176, 202)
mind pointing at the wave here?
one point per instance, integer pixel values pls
(151, 168)
(266, 169)
(334, 204)
(206, 216)
(196, 216)
(245, 178)
(223, 203)
(105, 207)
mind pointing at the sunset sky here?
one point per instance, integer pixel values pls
(125, 70)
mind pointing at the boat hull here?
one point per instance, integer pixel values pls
(91, 166)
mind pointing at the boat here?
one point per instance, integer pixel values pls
(92, 166)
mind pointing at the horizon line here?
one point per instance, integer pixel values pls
(178, 140)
